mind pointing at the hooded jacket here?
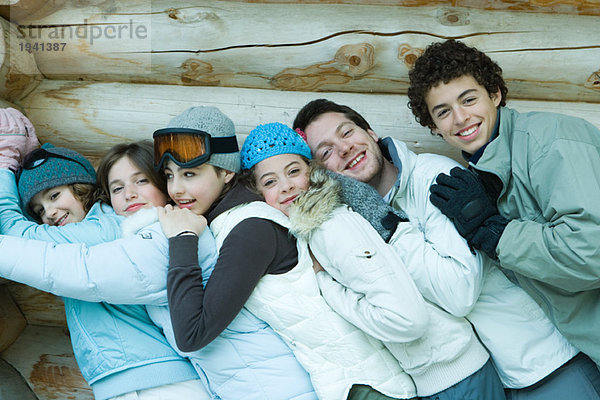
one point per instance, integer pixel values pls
(548, 167)
(367, 283)
(524, 344)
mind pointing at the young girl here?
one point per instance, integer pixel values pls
(258, 266)
(118, 348)
(447, 361)
(247, 359)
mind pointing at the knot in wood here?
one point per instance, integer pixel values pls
(355, 59)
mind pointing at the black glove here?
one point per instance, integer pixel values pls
(462, 197)
(486, 237)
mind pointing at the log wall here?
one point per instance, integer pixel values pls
(93, 73)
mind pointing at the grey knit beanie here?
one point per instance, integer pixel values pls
(217, 124)
(72, 167)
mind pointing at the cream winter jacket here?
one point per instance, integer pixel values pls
(367, 283)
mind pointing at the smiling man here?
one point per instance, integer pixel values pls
(531, 201)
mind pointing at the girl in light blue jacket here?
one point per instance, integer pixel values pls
(118, 348)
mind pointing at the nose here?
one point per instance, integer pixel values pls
(344, 148)
(287, 185)
(174, 186)
(50, 212)
(130, 192)
(460, 116)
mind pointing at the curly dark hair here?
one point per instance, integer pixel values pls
(443, 62)
(316, 108)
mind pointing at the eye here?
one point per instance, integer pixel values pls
(442, 113)
(348, 132)
(189, 174)
(116, 189)
(142, 181)
(39, 211)
(294, 171)
(324, 154)
(469, 100)
(54, 195)
(268, 183)
(168, 176)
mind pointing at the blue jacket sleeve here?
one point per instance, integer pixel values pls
(130, 270)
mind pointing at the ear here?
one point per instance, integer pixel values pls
(435, 131)
(496, 97)
(373, 135)
(229, 176)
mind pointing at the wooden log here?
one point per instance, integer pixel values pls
(12, 321)
(332, 47)
(15, 10)
(39, 308)
(18, 72)
(12, 384)
(91, 117)
(44, 357)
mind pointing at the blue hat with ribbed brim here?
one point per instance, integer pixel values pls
(271, 140)
(54, 172)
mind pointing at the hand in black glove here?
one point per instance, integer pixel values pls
(461, 196)
(486, 237)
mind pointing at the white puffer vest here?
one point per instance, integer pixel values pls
(335, 353)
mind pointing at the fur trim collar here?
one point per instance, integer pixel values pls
(313, 207)
(133, 224)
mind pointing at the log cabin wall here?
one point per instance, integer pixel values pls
(90, 74)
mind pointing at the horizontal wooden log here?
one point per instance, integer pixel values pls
(91, 117)
(12, 321)
(19, 74)
(39, 308)
(325, 47)
(44, 357)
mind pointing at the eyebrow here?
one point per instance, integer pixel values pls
(273, 173)
(121, 180)
(463, 94)
(337, 129)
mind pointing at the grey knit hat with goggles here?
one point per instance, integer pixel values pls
(215, 123)
(49, 167)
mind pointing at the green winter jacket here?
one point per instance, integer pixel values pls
(549, 165)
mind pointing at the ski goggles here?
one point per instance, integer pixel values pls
(189, 147)
(38, 157)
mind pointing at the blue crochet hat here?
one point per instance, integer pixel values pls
(271, 140)
(46, 171)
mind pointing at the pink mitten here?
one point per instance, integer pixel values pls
(17, 138)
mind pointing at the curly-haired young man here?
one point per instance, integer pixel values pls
(532, 201)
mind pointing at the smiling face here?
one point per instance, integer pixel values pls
(196, 188)
(344, 147)
(463, 112)
(281, 178)
(130, 189)
(57, 206)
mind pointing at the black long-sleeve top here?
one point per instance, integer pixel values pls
(255, 247)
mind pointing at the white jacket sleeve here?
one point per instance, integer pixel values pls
(365, 282)
(439, 260)
(131, 270)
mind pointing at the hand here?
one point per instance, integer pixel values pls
(17, 138)
(175, 220)
(486, 237)
(462, 197)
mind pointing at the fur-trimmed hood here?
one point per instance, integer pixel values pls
(313, 207)
(141, 219)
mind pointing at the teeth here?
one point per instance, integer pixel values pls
(468, 131)
(356, 160)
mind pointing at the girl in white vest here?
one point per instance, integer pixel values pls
(364, 278)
